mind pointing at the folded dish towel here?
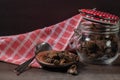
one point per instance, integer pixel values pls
(17, 49)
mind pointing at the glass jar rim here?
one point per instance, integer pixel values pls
(98, 28)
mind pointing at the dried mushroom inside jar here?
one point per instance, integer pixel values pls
(99, 47)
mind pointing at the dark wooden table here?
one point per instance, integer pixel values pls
(89, 72)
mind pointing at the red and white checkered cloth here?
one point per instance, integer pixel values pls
(17, 49)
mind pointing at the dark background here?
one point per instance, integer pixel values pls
(20, 16)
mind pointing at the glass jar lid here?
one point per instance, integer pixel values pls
(99, 16)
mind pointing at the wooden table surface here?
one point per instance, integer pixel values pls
(89, 72)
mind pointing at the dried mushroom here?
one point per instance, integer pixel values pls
(96, 48)
(60, 57)
(73, 70)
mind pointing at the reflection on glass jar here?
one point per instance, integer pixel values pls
(98, 42)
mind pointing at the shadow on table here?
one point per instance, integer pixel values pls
(103, 69)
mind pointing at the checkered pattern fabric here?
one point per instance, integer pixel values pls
(17, 49)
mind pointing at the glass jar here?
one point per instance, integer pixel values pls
(98, 41)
